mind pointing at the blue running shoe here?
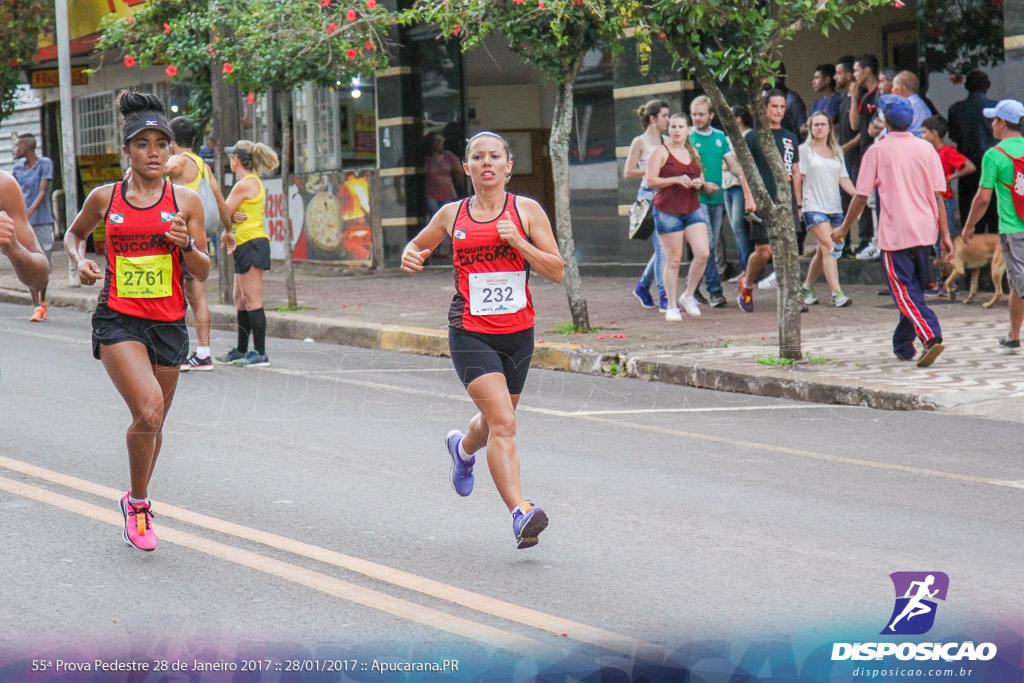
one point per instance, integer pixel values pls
(527, 523)
(643, 295)
(663, 302)
(252, 360)
(462, 470)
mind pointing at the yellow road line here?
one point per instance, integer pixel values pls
(305, 577)
(373, 570)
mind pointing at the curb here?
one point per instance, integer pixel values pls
(773, 382)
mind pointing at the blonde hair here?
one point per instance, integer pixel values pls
(833, 144)
(702, 99)
(256, 157)
(694, 154)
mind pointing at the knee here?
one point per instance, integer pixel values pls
(701, 254)
(150, 418)
(502, 426)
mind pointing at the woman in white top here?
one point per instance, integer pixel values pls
(824, 172)
(654, 117)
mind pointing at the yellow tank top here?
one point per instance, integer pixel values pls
(252, 227)
(194, 185)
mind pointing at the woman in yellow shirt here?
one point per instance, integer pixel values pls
(250, 244)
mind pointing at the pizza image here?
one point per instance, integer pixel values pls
(323, 221)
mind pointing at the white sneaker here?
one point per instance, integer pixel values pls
(870, 253)
(769, 282)
(690, 305)
(673, 315)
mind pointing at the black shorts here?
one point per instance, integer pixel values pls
(165, 341)
(475, 354)
(255, 252)
(758, 233)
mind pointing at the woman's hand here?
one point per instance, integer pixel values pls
(697, 183)
(89, 272)
(413, 258)
(178, 234)
(238, 217)
(508, 231)
(684, 180)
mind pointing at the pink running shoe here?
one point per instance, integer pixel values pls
(138, 529)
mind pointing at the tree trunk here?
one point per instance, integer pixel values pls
(219, 130)
(777, 215)
(559, 145)
(286, 186)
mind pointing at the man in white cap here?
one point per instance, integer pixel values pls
(907, 173)
(1002, 170)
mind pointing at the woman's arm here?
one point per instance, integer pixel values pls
(848, 186)
(85, 222)
(419, 248)
(632, 169)
(190, 221)
(541, 250)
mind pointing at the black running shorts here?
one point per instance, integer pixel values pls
(166, 342)
(475, 354)
(254, 253)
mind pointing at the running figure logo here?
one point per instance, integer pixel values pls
(916, 593)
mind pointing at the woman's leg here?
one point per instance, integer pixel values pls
(147, 393)
(672, 243)
(495, 427)
(697, 237)
(823, 233)
(244, 326)
(659, 263)
(252, 290)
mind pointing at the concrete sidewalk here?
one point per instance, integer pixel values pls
(849, 349)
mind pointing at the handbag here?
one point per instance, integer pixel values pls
(641, 220)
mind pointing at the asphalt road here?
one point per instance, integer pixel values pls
(305, 507)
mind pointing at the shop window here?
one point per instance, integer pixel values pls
(317, 129)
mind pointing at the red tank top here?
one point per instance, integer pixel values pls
(143, 275)
(492, 293)
(677, 199)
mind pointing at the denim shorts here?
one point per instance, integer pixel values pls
(812, 218)
(666, 223)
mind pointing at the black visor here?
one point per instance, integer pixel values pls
(151, 121)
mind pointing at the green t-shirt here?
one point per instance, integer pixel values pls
(712, 147)
(997, 174)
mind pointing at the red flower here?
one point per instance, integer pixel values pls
(131, 20)
(540, 5)
(171, 71)
(350, 15)
(227, 68)
(577, 2)
(331, 28)
(456, 29)
(250, 98)
(325, 3)
(129, 61)
(210, 48)
(167, 27)
(662, 35)
(899, 5)
(369, 45)
(351, 54)
(371, 4)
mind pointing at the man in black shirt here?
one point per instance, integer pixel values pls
(849, 139)
(972, 134)
(865, 73)
(788, 146)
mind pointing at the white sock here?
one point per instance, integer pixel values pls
(138, 501)
(462, 452)
(202, 352)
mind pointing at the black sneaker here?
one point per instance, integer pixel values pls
(700, 298)
(197, 364)
(717, 299)
(1011, 345)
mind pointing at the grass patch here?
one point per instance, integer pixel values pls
(568, 328)
(289, 309)
(818, 360)
(775, 361)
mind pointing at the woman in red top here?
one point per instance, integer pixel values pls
(675, 171)
(154, 229)
(497, 238)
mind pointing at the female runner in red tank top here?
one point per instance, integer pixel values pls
(153, 230)
(497, 238)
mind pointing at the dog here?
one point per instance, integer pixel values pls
(982, 251)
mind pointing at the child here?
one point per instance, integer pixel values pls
(954, 165)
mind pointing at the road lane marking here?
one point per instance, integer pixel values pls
(722, 409)
(327, 375)
(474, 601)
(398, 607)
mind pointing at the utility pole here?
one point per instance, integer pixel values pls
(67, 125)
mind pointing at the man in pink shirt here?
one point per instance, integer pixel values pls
(908, 175)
